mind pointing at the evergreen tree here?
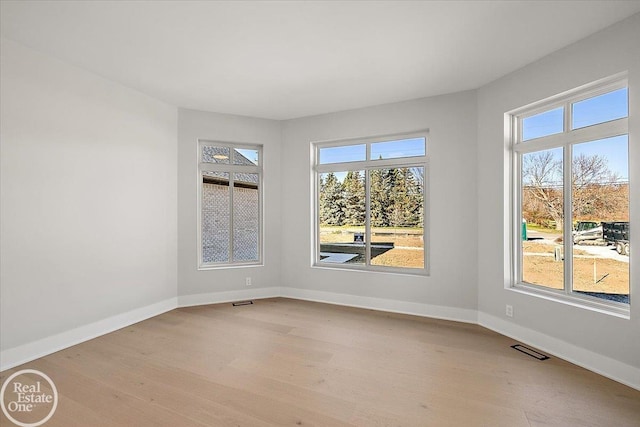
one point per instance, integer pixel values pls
(379, 199)
(331, 200)
(396, 198)
(415, 187)
(321, 197)
(408, 199)
(354, 198)
(399, 205)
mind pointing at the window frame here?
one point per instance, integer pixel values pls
(564, 140)
(229, 168)
(367, 165)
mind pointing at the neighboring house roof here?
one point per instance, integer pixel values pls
(211, 154)
(221, 155)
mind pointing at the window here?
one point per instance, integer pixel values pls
(571, 196)
(370, 204)
(229, 204)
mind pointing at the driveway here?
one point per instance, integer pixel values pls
(599, 251)
(603, 252)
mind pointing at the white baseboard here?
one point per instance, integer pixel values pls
(27, 352)
(381, 304)
(603, 365)
(228, 296)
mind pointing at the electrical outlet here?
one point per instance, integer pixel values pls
(509, 311)
(248, 281)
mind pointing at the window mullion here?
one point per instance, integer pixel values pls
(200, 202)
(231, 216)
(317, 215)
(367, 216)
(426, 230)
(567, 236)
(567, 226)
(217, 167)
(516, 204)
(516, 241)
(568, 118)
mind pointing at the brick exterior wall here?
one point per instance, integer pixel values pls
(215, 223)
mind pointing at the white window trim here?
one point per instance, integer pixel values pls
(230, 168)
(564, 140)
(414, 161)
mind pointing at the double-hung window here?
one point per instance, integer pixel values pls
(570, 232)
(229, 204)
(370, 203)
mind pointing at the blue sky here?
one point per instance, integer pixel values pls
(252, 155)
(386, 150)
(610, 106)
(614, 149)
(603, 108)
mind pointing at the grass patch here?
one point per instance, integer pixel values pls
(408, 258)
(543, 229)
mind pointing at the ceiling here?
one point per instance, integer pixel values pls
(282, 60)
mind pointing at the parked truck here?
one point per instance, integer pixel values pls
(587, 232)
(617, 233)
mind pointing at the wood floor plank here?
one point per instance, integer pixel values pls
(283, 362)
(151, 386)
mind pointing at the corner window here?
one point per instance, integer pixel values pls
(571, 229)
(229, 204)
(370, 204)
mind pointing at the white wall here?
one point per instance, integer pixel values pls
(576, 333)
(88, 195)
(451, 289)
(225, 284)
(96, 210)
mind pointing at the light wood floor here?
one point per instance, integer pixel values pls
(285, 362)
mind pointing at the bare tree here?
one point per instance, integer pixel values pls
(542, 180)
(596, 191)
(595, 188)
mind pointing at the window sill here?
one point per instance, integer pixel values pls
(227, 266)
(620, 310)
(373, 269)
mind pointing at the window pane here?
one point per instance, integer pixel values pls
(242, 156)
(543, 124)
(600, 200)
(211, 154)
(341, 210)
(346, 153)
(398, 149)
(542, 211)
(215, 217)
(246, 217)
(397, 217)
(599, 109)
